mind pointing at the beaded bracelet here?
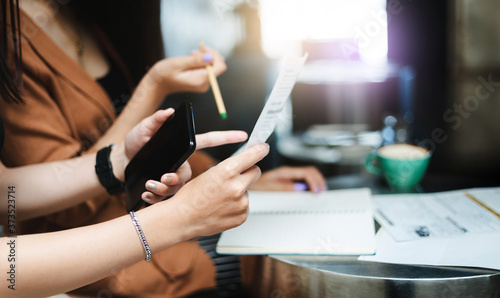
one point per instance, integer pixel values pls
(141, 236)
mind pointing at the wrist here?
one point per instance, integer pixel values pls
(105, 172)
(119, 161)
(154, 80)
(151, 90)
(189, 220)
(163, 219)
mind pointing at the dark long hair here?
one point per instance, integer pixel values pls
(133, 28)
(10, 61)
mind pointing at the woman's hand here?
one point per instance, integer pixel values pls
(217, 199)
(184, 73)
(122, 153)
(142, 133)
(189, 74)
(171, 182)
(289, 178)
(178, 74)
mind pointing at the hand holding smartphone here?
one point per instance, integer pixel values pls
(165, 152)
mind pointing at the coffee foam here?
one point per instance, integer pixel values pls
(403, 151)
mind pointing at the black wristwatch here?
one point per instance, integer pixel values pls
(104, 171)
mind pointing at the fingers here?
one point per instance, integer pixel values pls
(310, 175)
(189, 73)
(291, 179)
(251, 175)
(143, 131)
(239, 213)
(182, 175)
(219, 63)
(194, 61)
(160, 117)
(158, 191)
(238, 164)
(199, 59)
(151, 198)
(153, 122)
(209, 57)
(239, 185)
(314, 179)
(217, 138)
(169, 185)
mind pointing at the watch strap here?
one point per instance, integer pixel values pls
(104, 171)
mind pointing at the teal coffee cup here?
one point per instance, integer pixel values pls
(402, 165)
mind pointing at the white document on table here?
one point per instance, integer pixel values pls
(274, 106)
(470, 250)
(444, 214)
(338, 222)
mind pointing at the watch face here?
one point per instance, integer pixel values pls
(165, 152)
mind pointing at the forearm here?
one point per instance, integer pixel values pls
(145, 100)
(167, 76)
(62, 261)
(46, 188)
(52, 263)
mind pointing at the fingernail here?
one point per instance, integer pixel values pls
(147, 198)
(168, 180)
(151, 186)
(299, 186)
(318, 189)
(207, 57)
(325, 188)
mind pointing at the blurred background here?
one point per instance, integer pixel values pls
(379, 71)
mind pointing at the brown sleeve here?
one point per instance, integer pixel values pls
(38, 131)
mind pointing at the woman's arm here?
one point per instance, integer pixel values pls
(46, 188)
(42, 189)
(168, 76)
(47, 264)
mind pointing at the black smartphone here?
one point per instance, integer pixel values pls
(165, 152)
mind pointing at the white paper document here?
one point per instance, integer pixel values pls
(331, 223)
(444, 214)
(281, 91)
(471, 250)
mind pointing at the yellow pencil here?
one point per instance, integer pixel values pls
(215, 87)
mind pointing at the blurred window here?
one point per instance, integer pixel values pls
(287, 23)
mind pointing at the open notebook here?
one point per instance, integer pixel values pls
(338, 222)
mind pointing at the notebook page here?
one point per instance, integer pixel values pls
(331, 223)
(304, 202)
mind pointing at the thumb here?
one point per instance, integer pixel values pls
(151, 124)
(143, 131)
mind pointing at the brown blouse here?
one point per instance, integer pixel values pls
(66, 111)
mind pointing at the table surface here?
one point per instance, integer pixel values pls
(345, 276)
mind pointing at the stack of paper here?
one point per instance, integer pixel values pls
(456, 228)
(474, 250)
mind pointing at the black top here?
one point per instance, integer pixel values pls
(115, 84)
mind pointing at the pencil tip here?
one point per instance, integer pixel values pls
(223, 115)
